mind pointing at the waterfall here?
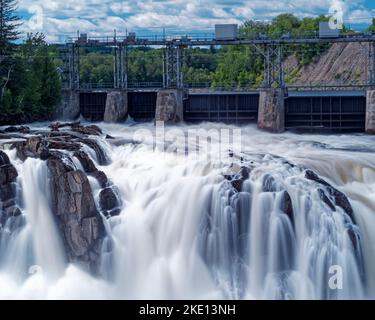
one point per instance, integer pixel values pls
(35, 246)
(273, 224)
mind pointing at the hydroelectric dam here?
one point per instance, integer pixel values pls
(275, 105)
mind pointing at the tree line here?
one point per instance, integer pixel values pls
(214, 66)
(30, 85)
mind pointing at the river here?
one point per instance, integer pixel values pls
(184, 231)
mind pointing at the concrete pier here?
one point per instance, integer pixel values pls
(370, 112)
(271, 116)
(169, 106)
(116, 107)
(69, 108)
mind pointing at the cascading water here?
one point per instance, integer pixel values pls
(266, 226)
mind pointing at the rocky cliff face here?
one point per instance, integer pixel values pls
(79, 218)
(8, 176)
(343, 63)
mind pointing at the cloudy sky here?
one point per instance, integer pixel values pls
(60, 18)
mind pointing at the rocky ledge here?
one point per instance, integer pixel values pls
(8, 176)
(78, 216)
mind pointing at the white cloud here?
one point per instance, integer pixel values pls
(102, 16)
(244, 12)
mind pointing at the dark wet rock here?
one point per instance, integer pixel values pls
(12, 211)
(113, 213)
(73, 204)
(109, 137)
(8, 178)
(109, 202)
(8, 172)
(89, 167)
(101, 177)
(88, 130)
(34, 147)
(238, 179)
(20, 129)
(60, 144)
(337, 196)
(353, 237)
(5, 136)
(326, 200)
(87, 164)
(4, 159)
(269, 184)
(287, 206)
(100, 155)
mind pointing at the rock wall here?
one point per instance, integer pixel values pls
(74, 206)
(69, 108)
(116, 109)
(346, 63)
(78, 217)
(370, 112)
(169, 106)
(8, 176)
(271, 116)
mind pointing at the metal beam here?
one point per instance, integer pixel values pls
(155, 41)
(273, 66)
(173, 62)
(74, 79)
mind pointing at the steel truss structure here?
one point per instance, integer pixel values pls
(173, 60)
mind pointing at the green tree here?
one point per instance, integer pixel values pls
(42, 89)
(372, 27)
(9, 22)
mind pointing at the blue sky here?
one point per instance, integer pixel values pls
(59, 18)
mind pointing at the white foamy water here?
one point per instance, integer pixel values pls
(185, 233)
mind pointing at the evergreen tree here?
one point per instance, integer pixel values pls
(372, 27)
(9, 22)
(50, 84)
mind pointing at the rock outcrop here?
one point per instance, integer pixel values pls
(73, 204)
(342, 63)
(238, 179)
(90, 168)
(8, 176)
(334, 196)
(109, 202)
